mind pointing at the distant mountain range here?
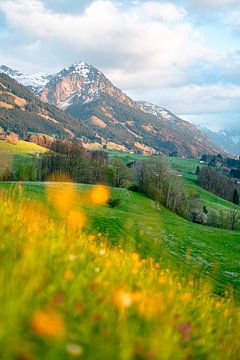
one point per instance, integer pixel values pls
(101, 114)
(227, 139)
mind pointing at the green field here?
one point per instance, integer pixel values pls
(15, 156)
(65, 293)
(138, 224)
(136, 282)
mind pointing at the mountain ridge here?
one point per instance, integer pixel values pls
(111, 116)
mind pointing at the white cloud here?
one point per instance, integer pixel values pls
(148, 48)
(147, 37)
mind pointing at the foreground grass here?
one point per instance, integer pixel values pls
(139, 225)
(67, 294)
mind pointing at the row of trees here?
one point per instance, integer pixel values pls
(155, 179)
(218, 184)
(229, 219)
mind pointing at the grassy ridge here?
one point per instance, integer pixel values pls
(138, 225)
(12, 157)
(66, 294)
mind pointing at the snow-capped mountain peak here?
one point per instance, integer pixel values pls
(33, 81)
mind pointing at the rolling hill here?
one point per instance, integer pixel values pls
(13, 157)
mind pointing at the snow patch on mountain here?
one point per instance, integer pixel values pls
(158, 111)
(35, 81)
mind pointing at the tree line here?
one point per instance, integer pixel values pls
(218, 184)
(151, 176)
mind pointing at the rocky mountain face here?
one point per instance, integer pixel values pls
(80, 83)
(227, 139)
(114, 119)
(23, 113)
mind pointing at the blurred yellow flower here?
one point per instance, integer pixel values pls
(62, 196)
(122, 299)
(91, 237)
(48, 324)
(99, 195)
(76, 219)
(69, 275)
(186, 297)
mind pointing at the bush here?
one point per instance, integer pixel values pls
(112, 203)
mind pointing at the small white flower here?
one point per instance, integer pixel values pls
(74, 349)
(102, 252)
(97, 269)
(72, 257)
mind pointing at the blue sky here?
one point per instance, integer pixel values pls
(181, 54)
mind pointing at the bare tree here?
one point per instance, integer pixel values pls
(234, 219)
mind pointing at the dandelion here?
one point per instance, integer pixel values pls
(48, 324)
(99, 195)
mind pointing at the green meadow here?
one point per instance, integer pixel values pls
(140, 225)
(79, 279)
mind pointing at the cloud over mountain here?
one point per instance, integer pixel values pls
(145, 47)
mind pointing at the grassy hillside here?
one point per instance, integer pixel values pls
(139, 225)
(68, 294)
(15, 156)
(187, 167)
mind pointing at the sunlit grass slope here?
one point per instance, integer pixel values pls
(66, 294)
(13, 156)
(139, 225)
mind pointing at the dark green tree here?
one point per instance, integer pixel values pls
(235, 197)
